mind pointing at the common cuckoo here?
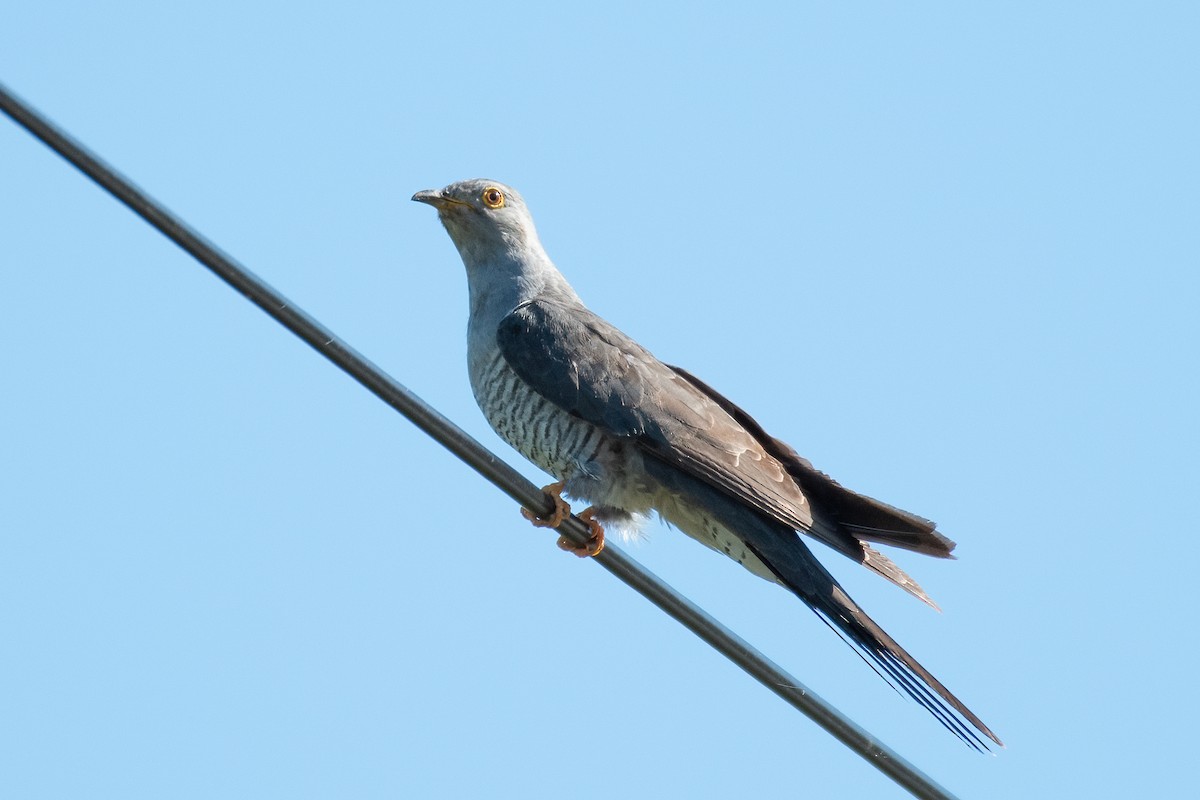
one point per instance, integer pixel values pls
(629, 434)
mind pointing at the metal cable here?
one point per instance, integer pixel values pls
(474, 454)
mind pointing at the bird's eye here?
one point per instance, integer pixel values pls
(493, 197)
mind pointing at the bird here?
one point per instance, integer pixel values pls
(632, 436)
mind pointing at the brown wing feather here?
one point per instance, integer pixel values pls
(865, 518)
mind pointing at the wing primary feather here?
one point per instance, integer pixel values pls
(861, 516)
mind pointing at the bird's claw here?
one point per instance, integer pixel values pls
(561, 508)
(595, 543)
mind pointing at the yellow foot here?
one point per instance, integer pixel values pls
(561, 508)
(594, 544)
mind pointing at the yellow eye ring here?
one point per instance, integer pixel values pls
(492, 197)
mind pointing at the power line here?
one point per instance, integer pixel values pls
(474, 454)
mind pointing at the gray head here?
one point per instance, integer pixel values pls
(494, 234)
(486, 220)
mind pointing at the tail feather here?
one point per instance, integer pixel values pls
(798, 570)
(785, 555)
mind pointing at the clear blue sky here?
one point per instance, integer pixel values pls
(949, 253)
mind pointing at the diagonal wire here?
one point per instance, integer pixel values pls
(474, 454)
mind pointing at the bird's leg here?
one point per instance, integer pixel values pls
(561, 508)
(594, 544)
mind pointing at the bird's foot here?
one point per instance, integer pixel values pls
(561, 508)
(595, 542)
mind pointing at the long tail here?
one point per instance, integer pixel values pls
(786, 555)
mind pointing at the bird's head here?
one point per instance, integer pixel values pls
(484, 218)
(494, 234)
